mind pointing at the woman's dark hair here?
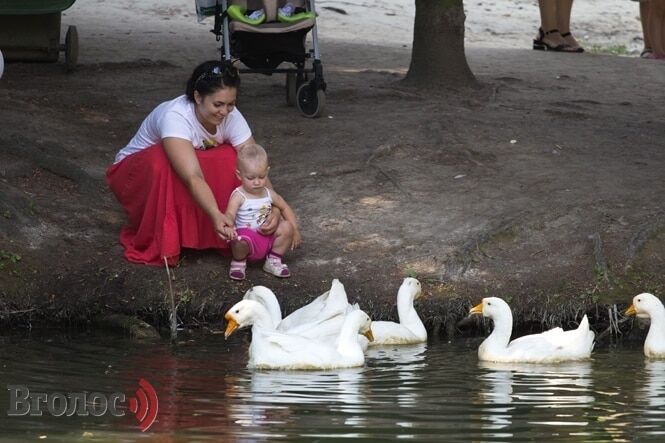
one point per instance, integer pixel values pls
(211, 76)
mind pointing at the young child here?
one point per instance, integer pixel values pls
(249, 205)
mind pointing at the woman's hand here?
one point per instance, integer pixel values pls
(270, 225)
(225, 227)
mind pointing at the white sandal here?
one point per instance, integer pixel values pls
(278, 269)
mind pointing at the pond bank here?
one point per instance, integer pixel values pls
(542, 187)
(135, 301)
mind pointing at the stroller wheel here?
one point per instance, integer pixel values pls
(311, 100)
(291, 88)
(71, 48)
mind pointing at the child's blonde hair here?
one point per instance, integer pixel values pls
(252, 154)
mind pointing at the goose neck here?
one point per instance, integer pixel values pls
(405, 298)
(503, 328)
(262, 319)
(408, 316)
(348, 337)
(269, 301)
(657, 319)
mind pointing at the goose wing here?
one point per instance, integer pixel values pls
(554, 344)
(326, 306)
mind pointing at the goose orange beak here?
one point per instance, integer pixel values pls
(369, 335)
(478, 309)
(231, 326)
(631, 310)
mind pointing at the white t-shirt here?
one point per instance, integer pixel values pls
(177, 118)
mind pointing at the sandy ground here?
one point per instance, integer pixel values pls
(107, 28)
(543, 186)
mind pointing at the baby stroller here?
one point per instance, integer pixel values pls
(263, 34)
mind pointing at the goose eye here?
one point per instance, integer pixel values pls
(489, 303)
(237, 311)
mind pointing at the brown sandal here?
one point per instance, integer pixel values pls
(573, 49)
(541, 45)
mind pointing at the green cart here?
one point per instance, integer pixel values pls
(30, 31)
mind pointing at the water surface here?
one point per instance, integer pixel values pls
(424, 393)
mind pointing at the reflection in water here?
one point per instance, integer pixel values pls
(654, 388)
(268, 398)
(497, 396)
(408, 357)
(511, 386)
(405, 364)
(654, 393)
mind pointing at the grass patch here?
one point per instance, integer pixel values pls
(410, 272)
(613, 50)
(7, 257)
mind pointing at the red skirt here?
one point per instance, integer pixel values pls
(162, 216)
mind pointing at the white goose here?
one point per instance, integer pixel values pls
(555, 345)
(271, 349)
(322, 318)
(647, 305)
(410, 328)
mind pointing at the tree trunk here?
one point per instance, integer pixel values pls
(437, 57)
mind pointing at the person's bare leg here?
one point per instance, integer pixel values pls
(548, 18)
(662, 28)
(644, 19)
(239, 251)
(656, 31)
(548, 22)
(283, 237)
(563, 12)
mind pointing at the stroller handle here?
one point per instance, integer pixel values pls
(315, 36)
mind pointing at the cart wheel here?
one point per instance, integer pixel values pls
(71, 48)
(311, 101)
(291, 88)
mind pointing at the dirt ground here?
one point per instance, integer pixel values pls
(543, 185)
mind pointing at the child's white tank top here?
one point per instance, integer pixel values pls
(253, 212)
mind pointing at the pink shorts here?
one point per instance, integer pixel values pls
(259, 244)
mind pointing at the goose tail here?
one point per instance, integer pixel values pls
(586, 334)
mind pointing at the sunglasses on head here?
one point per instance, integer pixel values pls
(216, 72)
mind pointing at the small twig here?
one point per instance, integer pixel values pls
(601, 263)
(482, 251)
(613, 328)
(174, 317)
(22, 311)
(392, 180)
(614, 320)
